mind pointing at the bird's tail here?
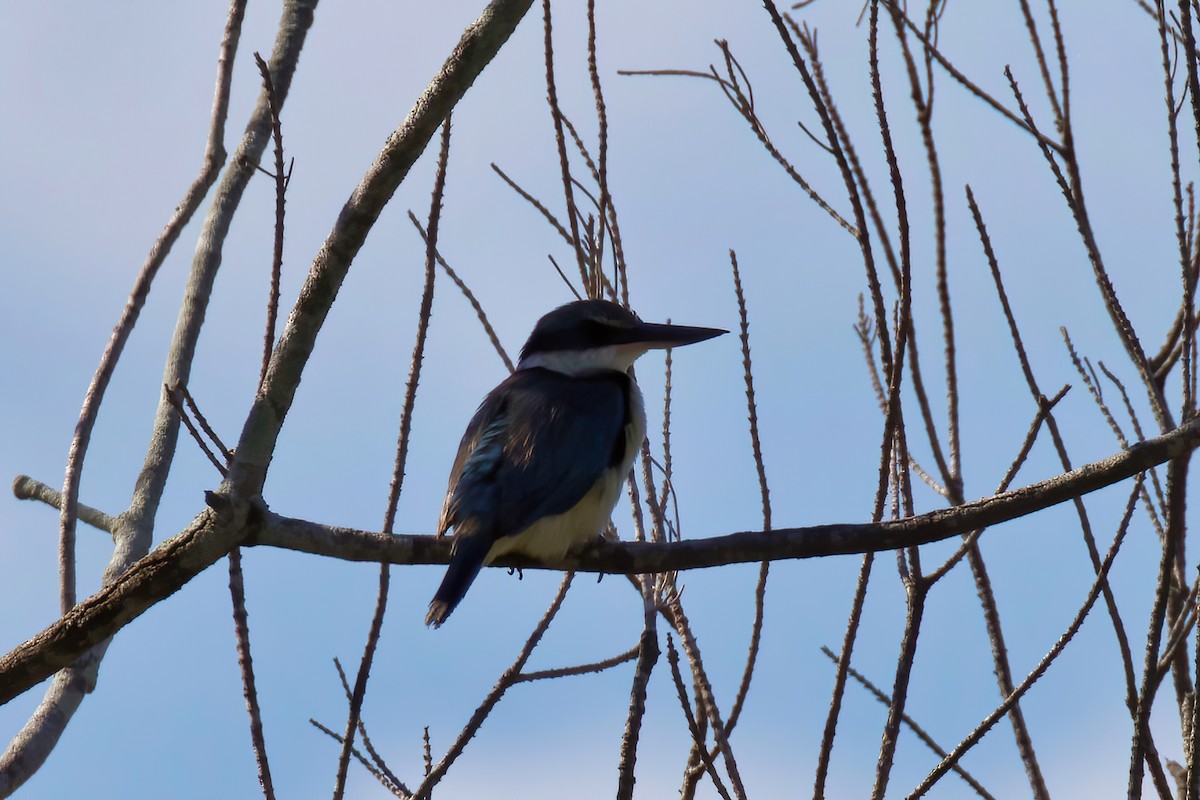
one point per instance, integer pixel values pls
(470, 549)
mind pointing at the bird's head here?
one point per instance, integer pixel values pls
(597, 334)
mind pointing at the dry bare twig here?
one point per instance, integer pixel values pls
(912, 724)
(506, 680)
(208, 537)
(353, 718)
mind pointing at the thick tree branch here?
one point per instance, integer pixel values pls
(479, 44)
(139, 586)
(179, 559)
(151, 579)
(751, 546)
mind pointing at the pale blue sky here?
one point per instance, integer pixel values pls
(105, 111)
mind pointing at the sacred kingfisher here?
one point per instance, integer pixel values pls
(542, 461)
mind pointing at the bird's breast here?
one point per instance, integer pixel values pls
(635, 427)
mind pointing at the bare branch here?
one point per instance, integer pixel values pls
(237, 588)
(705, 694)
(760, 589)
(647, 657)
(972, 87)
(912, 724)
(241, 626)
(533, 201)
(479, 43)
(839, 681)
(378, 774)
(1060, 447)
(697, 737)
(26, 488)
(506, 680)
(410, 397)
(281, 182)
(179, 559)
(580, 669)
(467, 293)
(1042, 665)
(556, 116)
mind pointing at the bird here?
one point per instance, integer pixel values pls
(542, 461)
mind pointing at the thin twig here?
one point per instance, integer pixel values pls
(840, 675)
(668, 467)
(533, 201)
(952, 471)
(704, 695)
(564, 277)
(697, 738)
(241, 627)
(1141, 435)
(1039, 53)
(1171, 545)
(194, 410)
(1187, 303)
(506, 680)
(746, 109)
(362, 731)
(1070, 185)
(580, 669)
(983, 727)
(174, 396)
(969, 85)
(1010, 474)
(237, 589)
(914, 612)
(398, 471)
(371, 768)
(912, 724)
(556, 116)
(467, 293)
(647, 657)
(281, 182)
(760, 588)
(608, 209)
(1060, 447)
(1180, 630)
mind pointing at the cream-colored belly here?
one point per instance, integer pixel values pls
(550, 538)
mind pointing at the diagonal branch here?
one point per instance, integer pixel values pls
(479, 44)
(509, 678)
(131, 573)
(1039, 670)
(410, 398)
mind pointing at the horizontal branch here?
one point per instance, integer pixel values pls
(26, 488)
(179, 559)
(750, 546)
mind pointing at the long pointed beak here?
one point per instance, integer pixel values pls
(658, 335)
